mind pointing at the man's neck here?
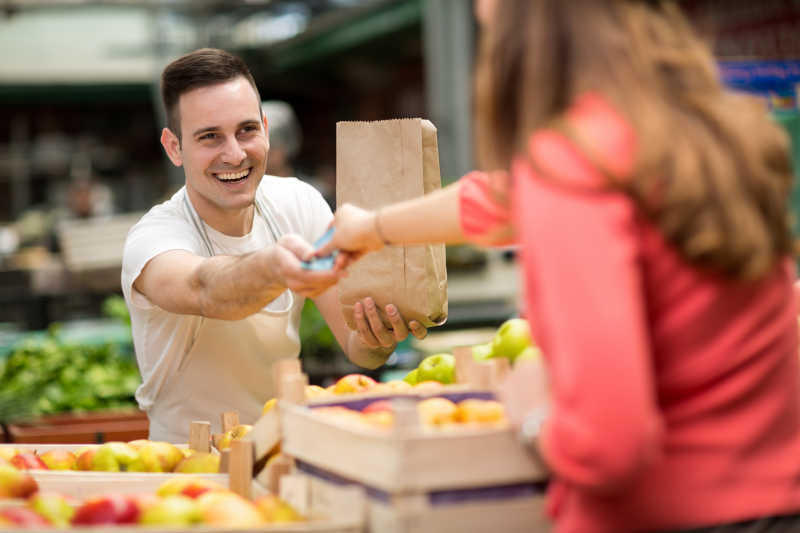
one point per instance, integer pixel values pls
(232, 222)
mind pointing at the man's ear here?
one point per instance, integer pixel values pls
(266, 127)
(172, 146)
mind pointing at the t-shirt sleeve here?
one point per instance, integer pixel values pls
(484, 218)
(153, 235)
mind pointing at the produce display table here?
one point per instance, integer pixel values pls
(84, 428)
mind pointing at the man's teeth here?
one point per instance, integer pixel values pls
(233, 176)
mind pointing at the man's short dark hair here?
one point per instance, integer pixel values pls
(201, 68)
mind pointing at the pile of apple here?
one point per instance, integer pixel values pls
(437, 412)
(135, 456)
(179, 502)
(512, 340)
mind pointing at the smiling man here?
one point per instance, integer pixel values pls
(213, 276)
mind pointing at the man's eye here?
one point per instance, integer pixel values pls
(208, 136)
(251, 127)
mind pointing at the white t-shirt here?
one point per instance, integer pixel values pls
(194, 368)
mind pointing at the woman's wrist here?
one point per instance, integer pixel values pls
(376, 225)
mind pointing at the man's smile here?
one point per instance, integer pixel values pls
(233, 177)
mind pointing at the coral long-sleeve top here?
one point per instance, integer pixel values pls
(675, 392)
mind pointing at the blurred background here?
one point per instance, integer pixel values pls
(80, 159)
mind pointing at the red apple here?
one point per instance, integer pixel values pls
(28, 461)
(85, 458)
(110, 509)
(353, 383)
(378, 406)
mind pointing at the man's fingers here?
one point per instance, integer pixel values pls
(376, 324)
(418, 330)
(299, 247)
(363, 327)
(398, 324)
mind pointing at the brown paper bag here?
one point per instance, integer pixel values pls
(379, 163)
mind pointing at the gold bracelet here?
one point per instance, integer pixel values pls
(381, 236)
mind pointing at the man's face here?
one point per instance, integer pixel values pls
(223, 146)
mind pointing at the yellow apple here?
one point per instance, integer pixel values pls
(60, 459)
(268, 405)
(191, 486)
(476, 411)
(315, 391)
(437, 411)
(352, 383)
(198, 463)
(229, 510)
(277, 511)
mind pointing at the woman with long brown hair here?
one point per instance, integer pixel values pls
(650, 206)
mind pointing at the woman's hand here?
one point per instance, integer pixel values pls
(355, 233)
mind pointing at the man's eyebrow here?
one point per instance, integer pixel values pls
(205, 130)
(216, 128)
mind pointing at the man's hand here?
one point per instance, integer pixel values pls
(289, 251)
(373, 333)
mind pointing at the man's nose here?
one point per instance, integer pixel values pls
(232, 152)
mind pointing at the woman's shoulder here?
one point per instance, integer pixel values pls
(591, 144)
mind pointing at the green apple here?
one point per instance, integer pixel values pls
(173, 510)
(513, 336)
(439, 367)
(411, 377)
(531, 353)
(482, 352)
(55, 507)
(113, 457)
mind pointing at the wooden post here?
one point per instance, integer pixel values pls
(240, 468)
(229, 420)
(199, 435)
(482, 374)
(500, 369)
(277, 467)
(224, 461)
(293, 388)
(406, 416)
(281, 368)
(464, 364)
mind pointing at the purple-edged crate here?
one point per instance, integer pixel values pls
(514, 508)
(407, 459)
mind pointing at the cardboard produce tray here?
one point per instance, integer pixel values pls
(407, 461)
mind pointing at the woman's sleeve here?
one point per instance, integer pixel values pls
(579, 250)
(484, 215)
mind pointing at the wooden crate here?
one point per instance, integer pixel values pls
(84, 428)
(511, 509)
(407, 461)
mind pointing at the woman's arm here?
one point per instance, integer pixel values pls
(472, 209)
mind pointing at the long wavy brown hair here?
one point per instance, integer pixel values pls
(712, 170)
